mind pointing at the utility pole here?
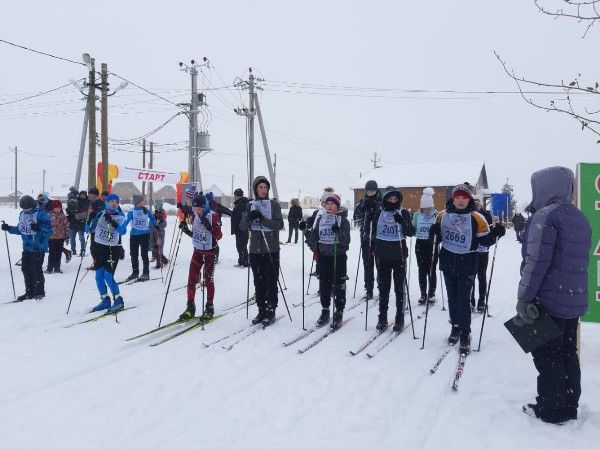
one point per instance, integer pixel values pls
(91, 63)
(143, 164)
(81, 148)
(376, 161)
(151, 184)
(43, 180)
(16, 178)
(270, 167)
(104, 124)
(232, 185)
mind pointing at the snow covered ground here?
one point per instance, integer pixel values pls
(86, 387)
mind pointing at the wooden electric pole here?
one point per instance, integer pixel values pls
(151, 184)
(104, 124)
(92, 125)
(143, 164)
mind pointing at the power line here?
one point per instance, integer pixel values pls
(36, 95)
(40, 52)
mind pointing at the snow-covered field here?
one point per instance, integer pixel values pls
(86, 387)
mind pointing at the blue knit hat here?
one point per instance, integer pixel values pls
(113, 197)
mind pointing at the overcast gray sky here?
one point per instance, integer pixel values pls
(328, 139)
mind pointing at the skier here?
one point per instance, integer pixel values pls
(240, 203)
(426, 260)
(95, 206)
(60, 234)
(518, 221)
(330, 239)
(107, 227)
(34, 228)
(483, 253)
(554, 277)
(264, 220)
(391, 226)
(461, 230)
(157, 236)
(364, 213)
(206, 231)
(294, 217)
(140, 220)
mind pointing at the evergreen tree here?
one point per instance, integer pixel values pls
(512, 204)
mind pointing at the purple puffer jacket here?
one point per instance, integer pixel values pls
(556, 247)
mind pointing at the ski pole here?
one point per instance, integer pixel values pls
(283, 278)
(273, 265)
(487, 295)
(302, 242)
(357, 268)
(407, 292)
(76, 276)
(431, 271)
(173, 238)
(203, 277)
(10, 263)
(409, 257)
(170, 278)
(312, 264)
(248, 289)
(171, 266)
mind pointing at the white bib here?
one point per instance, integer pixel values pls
(140, 220)
(105, 234)
(387, 228)
(202, 237)
(457, 232)
(424, 222)
(25, 221)
(326, 235)
(264, 206)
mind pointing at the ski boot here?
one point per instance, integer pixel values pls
(48, 271)
(324, 318)
(258, 318)
(117, 306)
(465, 343)
(368, 295)
(209, 312)
(399, 323)
(382, 324)
(59, 271)
(144, 277)
(472, 304)
(68, 256)
(23, 297)
(336, 321)
(481, 306)
(39, 296)
(422, 300)
(103, 305)
(454, 335)
(132, 276)
(269, 317)
(82, 254)
(431, 297)
(189, 313)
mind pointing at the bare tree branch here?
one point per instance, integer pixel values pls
(584, 11)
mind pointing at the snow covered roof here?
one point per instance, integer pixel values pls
(215, 191)
(423, 175)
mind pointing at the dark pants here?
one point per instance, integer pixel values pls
(139, 243)
(201, 259)
(459, 292)
(93, 244)
(424, 253)
(385, 270)
(559, 380)
(73, 233)
(481, 277)
(265, 269)
(241, 244)
(31, 266)
(326, 280)
(294, 229)
(369, 265)
(55, 247)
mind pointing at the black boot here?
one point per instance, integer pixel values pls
(465, 343)
(454, 334)
(209, 312)
(368, 295)
(189, 313)
(269, 317)
(481, 306)
(132, 276)
(258, 318)
(399, 323)
(324, 318)
(23, 297)
(338, 316)
(422, 300)
(382, 323)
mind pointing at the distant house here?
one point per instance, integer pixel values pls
(220, 196)
(9, 198)
(126, 190)
(411, 179)
(166, 194)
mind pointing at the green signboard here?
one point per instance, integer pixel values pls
(588, 201)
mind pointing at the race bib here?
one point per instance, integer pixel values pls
(106, 234)
(424, 222)
(140, 220)
(201, 237)
(457, 233)
(264, 206)
(326, 235)
(25, 221)
(388, 229)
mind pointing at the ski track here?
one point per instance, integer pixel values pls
(86, 387)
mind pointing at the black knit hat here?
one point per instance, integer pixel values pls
(371, 185)
(199, 201)
(27, 202)
(93, 191)
(238, 192)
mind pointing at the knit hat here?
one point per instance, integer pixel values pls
(389, 192)
(199, 201)
(334, 198)
(427, 198)
(209, 196)
(189, 193)
(371, 185)
(73, 189)
(326, 192)
(462, 190)
(137, 199)
(238, 192)
(27, 202)
(113, 197)
(93, 191)
(84, 193)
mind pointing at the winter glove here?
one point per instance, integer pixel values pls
(335, 228)
(5, 227)
(398, 218)
(145, 209)
(302, 225)
(527, 313)
(110, 220)
(35, 227)
(183, 225)
(435, 230)
(205, 222)
(499, 230)
(255, 215)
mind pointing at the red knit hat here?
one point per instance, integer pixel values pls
(334, 198)
(463, 191)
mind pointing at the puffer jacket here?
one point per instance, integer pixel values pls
(343, 237)
(38, 241)
(60, 226)
(556, 247)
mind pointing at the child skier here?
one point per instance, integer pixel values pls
(461, 230)
(422, 221)
(391, 226)
(60, 234)
(140, 220)
(34, 228)
(264, 220)
(330, 239)
(206, 231)
(107, 226)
